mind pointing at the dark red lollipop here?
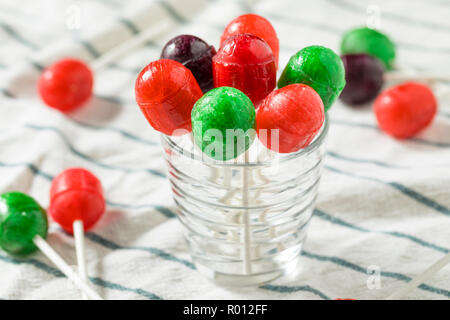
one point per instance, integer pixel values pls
(66, 85)
(404, 110)
(246, 62)
(166, 91)
(195, 54)
(364, 78)
(76, 194)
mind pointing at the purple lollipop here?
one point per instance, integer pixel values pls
(364, 77)
(195, 54)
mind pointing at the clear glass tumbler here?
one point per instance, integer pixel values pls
(245, 220)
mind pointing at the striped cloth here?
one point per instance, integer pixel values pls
(383, 212)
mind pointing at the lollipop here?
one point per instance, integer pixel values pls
(363, 77)
(195, 54)
(76, 204)
(318, 67)
(369, 41)
(296, 111)
(404, 110)
(216, 116)
(253, 24)
(245, 62)
(67, 84)
(223, 123)
(23, 228)
(166, 92)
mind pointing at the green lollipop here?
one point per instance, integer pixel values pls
(371, 42)
(223, 123)
(21, 219)
(23, 227)
(318, 67)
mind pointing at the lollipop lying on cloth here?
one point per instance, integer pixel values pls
(165, 92)
(76, 204)
(23, 228)
(404, 110)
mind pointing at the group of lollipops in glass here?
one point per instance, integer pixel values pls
(193, 87)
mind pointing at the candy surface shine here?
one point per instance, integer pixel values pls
(253, 24)
(195, 54)
(66, 85)
(404, 110)
(21, 219)
(371, 42)
(166, 92)
(246, 62)
(296, 111)
(218, 111)
(76, 194)
(318, 67)
(363, 77)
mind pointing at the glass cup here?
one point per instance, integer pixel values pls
(245, 220)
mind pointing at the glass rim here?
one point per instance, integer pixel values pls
(315, 144)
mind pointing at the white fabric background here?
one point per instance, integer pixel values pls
(382, 202)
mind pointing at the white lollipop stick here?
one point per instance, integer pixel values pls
(64, 267)
(78, 234)
(246, 218)
(127, 46)
(421, 278)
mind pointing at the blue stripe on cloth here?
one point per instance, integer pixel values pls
(173, 13)
(374, 127)
(115, 286)
(375, 162)
(164, 210)
(84, 156)
(327, 217)
(129, 24)
(6, 93)
(37, 65)
(16, 36)
(90, 48)
(355, 267)
(98, 281)
(158, 252)
(291, 289)
(403, 189)
(122, 132)
(30, 166)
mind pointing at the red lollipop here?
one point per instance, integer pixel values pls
(296, 111)
(166, 91)
(253, 24)
(76, 194)
(404, 110)
(246, 62)
(66, 84)
(76, 204)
